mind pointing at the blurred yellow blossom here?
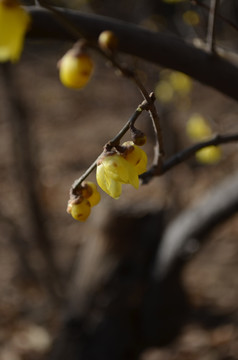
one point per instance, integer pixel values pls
(75, 69)
(209, 155)
(14, 22)
(191, 17)
(198, 128)
(164, 91)
(180, 82)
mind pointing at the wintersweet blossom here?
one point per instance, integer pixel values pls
(209, 154)
(198, 129)
(112, 171)
(115, 169)
(14, 21)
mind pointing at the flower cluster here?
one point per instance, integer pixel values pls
(123, 166)
(14, 22)
(198, 129)
(80, 206)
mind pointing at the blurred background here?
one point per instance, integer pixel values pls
(65, 285)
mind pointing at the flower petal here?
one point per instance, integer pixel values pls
(108, 184)
(14, 22)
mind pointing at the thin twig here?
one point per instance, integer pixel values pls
(193, 224)
(220, 16)
(212, 25)
(186, 154)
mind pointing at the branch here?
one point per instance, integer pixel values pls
(186, 154)
(165, 50)
(219, 16)
(194, 223)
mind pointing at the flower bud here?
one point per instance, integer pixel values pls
(75, 69)
(79, 208)
(108, 41)
(137, 136)
(90, 192)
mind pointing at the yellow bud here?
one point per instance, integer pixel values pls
(107, 40)
(79, 209)
(137, 136)
(209, 155)
(91, 193)
(75, 69)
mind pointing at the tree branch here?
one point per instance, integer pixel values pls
(185, 154)
(163, 49)
(216, 207)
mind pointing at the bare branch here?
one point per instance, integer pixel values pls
(166, 50)
(220, 16)
(217, 206)
(186, 154)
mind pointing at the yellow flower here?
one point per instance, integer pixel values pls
(136, 156)
(164, 91)
(14, 21)
(112, 171)
(209, 155)
(198, 128)
(180, 82)
(80, 209)
(191, 17)
(75, 69)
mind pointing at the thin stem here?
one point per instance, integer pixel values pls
(185, 154)
(220, 16)
(211, 25)
(159, 145)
